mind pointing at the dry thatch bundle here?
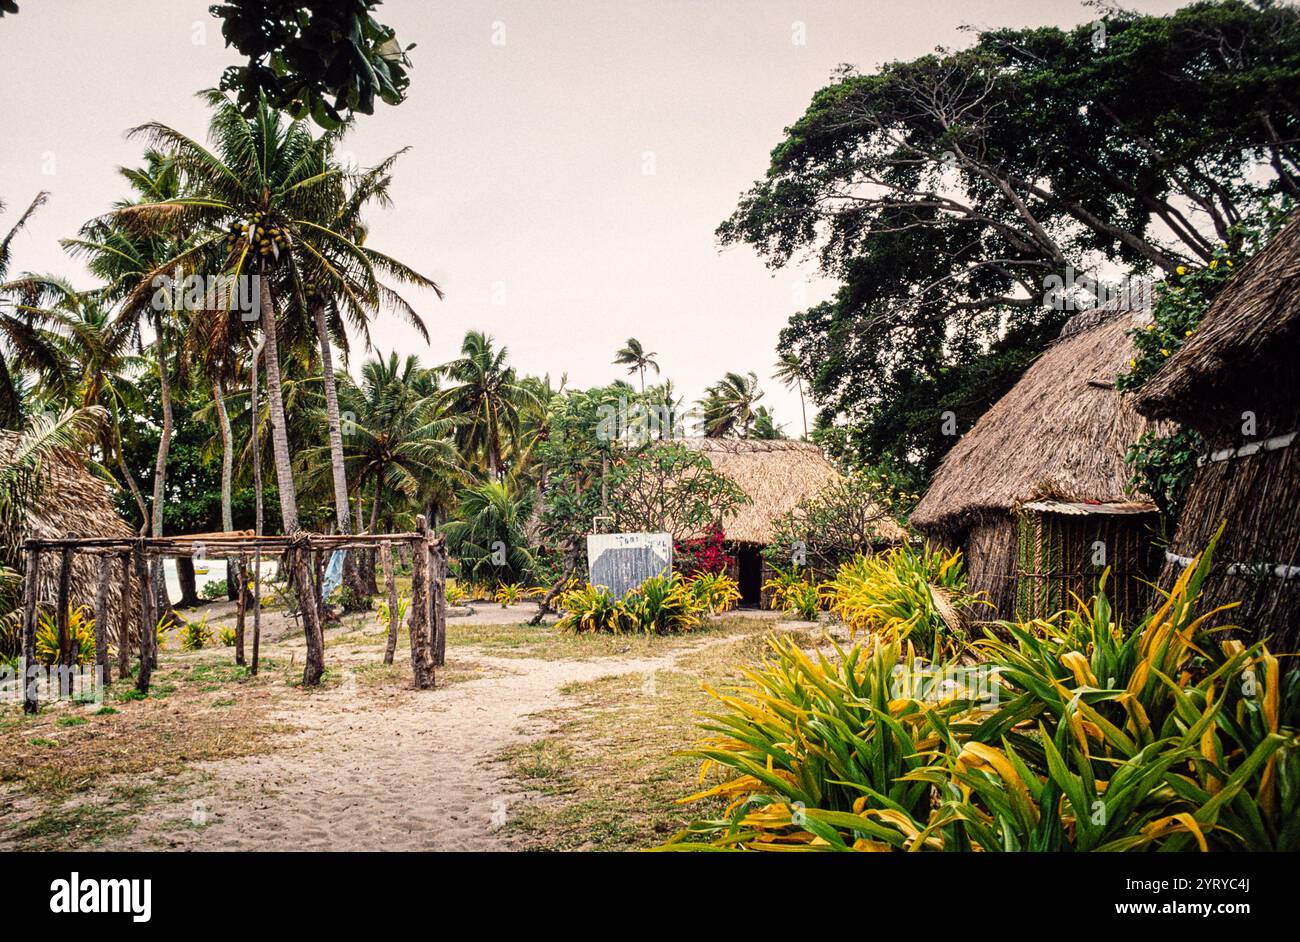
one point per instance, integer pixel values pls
(1234, 382)
(1059, 436)
(776, 475)
(1242, 357)
(71, 501)
(1060, 433)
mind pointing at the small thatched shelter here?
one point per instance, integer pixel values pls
(1235, 383)
(1036, 493)
(776, 475)
(72, 501)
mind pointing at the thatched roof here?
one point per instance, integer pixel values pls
(71, 501)
(1060, 433)
(776, 475)
(1244, 351)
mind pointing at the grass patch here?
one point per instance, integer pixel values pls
(548, 644)
(71, 721)
(611, 773)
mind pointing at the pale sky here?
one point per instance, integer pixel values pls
(569, 159)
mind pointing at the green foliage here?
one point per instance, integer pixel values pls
(486, 534)
(226, 637)
(1074, 734)
(196, 635)
(81, 628)
(215, 589)
(848, 516)
(302, 54)
(665, 604)
(918, 595)
(1163, 466)
(714, 592)
(668, 488)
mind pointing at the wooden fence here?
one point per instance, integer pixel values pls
(139, 564)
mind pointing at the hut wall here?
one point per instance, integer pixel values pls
(1057, 562)
(989, 549)
(1257, 498)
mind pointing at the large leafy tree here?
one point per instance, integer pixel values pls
(946, 193)
(303, 53)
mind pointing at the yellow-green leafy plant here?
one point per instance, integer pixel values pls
(801, 599)
(917, 594)
(226, 637)
(456, 593)
(591, 608)
(1095, 738)
(714, 592)
(196, 635)
(81, 628)
(513, 593)
(663, 605)
(383, 613)
(786, 581)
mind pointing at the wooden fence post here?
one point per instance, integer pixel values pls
(241, 573)
(418, 623)
(101, 620)
(257, 607)
(438, 555)
(149, 625)
(124, 620)
(32, 581)
(66, 658)
(299, 560)
(394, 613)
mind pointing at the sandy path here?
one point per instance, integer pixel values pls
(415, 774)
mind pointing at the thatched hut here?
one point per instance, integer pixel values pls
(72, 501)
(1234, 382)
(776, 475)
(1036, 494)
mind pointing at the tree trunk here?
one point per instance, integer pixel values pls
(124, 619)
(157, 578)
(148, 627)
(115, 448)
(227, 479)
(241, 601)
(101, 620)
(185, 575)
(394, 613)
(371, 586)
(31, 577)
(275, 401)
(255, 406)
(342, 511)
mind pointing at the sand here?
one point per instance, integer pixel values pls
(419, 772)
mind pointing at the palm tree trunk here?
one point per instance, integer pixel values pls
(227, 475)
(279, 428)
(157, 576)
(255, 413)
(804, 409)
(342, 511)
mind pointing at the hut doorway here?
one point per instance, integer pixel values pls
(749, 575)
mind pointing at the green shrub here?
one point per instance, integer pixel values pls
(1099, 738)
(216, 589)
(195, 635)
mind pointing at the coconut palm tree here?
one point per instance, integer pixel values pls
(485, 402)
(266, 202)
(398, 444)
(487, 533)
(103, 367)
(633, 356)
(728, 405)
(789, 373)
(24, 302)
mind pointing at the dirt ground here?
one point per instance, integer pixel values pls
(217, 760)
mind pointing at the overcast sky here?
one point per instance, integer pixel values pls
(569, 160)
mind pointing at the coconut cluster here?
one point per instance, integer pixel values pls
(262, 233)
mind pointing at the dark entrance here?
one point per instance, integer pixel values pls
(749, 573)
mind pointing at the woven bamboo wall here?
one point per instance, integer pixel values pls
(989, 550)
(1258, 497)
(1057, 560)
